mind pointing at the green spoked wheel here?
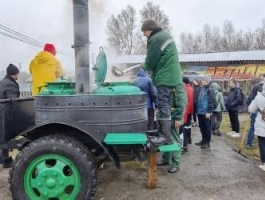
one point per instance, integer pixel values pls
(54, 168)
(52, 176)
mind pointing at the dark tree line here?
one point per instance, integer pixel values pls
(212, 39)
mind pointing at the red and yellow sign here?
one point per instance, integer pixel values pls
(249, 71)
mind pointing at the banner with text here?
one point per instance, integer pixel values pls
(249, 71)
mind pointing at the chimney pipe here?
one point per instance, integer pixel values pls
(81, 46)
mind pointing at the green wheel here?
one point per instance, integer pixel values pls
(54, 168)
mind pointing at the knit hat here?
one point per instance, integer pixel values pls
(186, 80)
(207, 78)
(149, 25)
(50, 48)
(12, 70)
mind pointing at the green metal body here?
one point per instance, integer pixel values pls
(119, 88)
(59, 87)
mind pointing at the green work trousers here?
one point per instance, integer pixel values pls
(174, 156)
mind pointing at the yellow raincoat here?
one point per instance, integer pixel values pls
(44, 68)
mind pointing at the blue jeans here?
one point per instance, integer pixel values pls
(164, 101)
(251, 129)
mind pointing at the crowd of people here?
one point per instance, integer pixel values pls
(203, 104)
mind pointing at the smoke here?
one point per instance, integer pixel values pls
(98, 8)
(98, 14)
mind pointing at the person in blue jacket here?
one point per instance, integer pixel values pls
(145, 84)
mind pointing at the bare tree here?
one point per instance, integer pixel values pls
(121, 31)
(186, 40)
(260, 36)
(249, 39)
(212, 40)
(151, 11)
(228, 36)
(124, 37)
(216, 39)
(207, 38)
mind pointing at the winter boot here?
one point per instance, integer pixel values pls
(188, 135)
(205, 145)
(6, 160)
(199, 143)
(164, 134)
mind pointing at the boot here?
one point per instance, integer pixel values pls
(188, 136)
(199, 143)
(164, 134)
(205, 145)
(7, 162)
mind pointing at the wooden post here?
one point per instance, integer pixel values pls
(152, 173)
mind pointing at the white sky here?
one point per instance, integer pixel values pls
(51, 21)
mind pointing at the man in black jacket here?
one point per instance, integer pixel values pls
(9, 89)
(233, 100)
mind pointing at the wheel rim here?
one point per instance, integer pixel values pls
(52, 177)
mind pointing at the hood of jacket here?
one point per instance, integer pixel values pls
(216, 87)
(142, 73)
(44, 57)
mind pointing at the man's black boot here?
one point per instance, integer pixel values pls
(205, 145)
(164, 137)
(199, 143)
(188, 136)
(7, 162)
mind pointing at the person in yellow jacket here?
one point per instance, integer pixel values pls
(45, 68)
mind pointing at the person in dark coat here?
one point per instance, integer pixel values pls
(196, 90)
(145, 84)
(232, 105)
(187, 114)
(9, 89)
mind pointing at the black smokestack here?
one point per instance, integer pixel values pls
(81, 46)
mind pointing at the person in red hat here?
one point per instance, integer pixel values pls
(45, 68)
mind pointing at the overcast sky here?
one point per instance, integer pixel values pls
(51, 21)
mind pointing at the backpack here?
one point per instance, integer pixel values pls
(242, 97)
(215, 103)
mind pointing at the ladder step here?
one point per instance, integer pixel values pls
(169, 148)
(125, 138)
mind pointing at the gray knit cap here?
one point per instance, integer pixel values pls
(207, 78)
(149, 25)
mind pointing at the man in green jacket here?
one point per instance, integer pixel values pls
(178, 106)
(163, 61)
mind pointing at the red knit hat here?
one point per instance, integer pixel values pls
(50, 48)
